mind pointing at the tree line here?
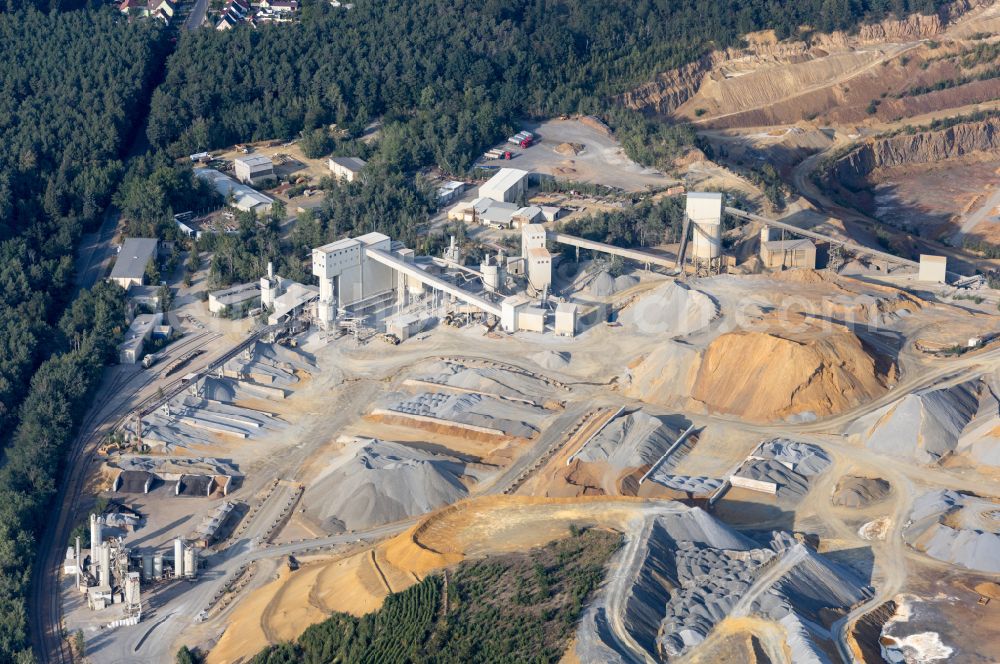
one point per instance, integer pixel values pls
(503, 609)
(72, 90)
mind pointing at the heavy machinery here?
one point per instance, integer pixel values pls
(389, 338)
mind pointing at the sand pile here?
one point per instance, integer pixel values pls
(550, 359)
(630, 441)
(929, 425)
(860, 492)
(763, 376)
(673, 309)
(956, 528)
(569, 149)
(384, 481)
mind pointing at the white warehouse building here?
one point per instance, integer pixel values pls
(244, 198)
(252, 169)
(506, 186)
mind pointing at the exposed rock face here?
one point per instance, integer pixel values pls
(672, 88)
(855, 169)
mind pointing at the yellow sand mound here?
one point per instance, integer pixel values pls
(765, 376)
(357, 584)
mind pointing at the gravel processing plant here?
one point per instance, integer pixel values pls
(788, 457)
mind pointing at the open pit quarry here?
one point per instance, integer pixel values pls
(782, 455)
(712, 440)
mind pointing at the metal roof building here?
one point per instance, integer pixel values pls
(244, 197)
(130, 265)
(253, 168)
(506, 186)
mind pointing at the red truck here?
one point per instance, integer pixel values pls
(522, 139)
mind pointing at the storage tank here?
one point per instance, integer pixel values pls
(190, 562)
(147, 567)
(158, 566)
(96, 535)
(491, 276)
(178, 558)
(104, 565)
(704, 210)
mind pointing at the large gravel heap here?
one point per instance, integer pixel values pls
(604, 285)
(673, 309)
(687, 572)
(956, 528)
(384, 481)
(791, 465)
(928, 425)
(509, 417)
(630, 441)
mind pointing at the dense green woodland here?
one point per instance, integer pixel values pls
(504, 610)
(72, 88)
(456, 78)
(454, 75)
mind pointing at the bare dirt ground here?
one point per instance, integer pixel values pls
(601, 160)
(933, 201)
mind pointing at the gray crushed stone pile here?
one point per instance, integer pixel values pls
(956, 528)
(859, 492)
(630, 441)
(385, 481)
(512, 418)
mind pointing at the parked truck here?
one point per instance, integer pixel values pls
(524, 139)
(498, 154)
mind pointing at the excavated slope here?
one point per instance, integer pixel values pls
(762, 376)
(857, 168)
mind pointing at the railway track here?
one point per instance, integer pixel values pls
(45, 603)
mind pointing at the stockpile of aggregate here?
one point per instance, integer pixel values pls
(791, 465)
(510, 417)
(188, 420)
(551, 359)
(956, 528)
(630, 441)
(685, 572)
(696, 486)
(602, 284)
(673, 309)
(507, 383)
(860, 492)
(382, 482)
(925, 425)
(271, 364)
